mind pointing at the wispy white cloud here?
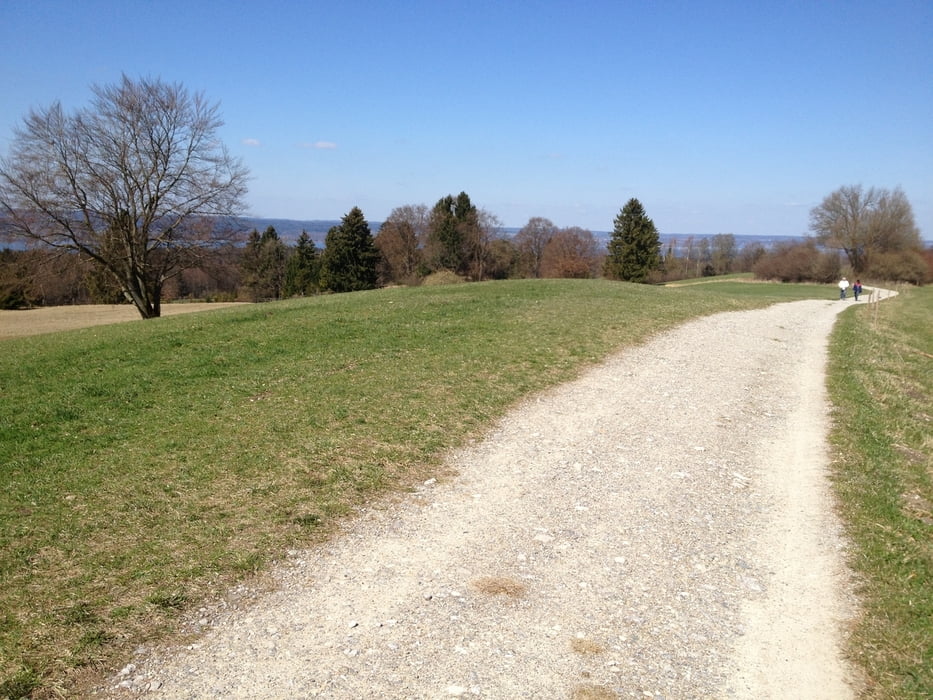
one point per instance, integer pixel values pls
(319, 145)
(251, 142)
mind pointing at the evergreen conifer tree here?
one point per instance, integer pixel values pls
(350, 258)
(263, 264)
(635, 246)
(304, 268)
(454, 222)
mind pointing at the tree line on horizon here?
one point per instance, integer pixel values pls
(124, 200)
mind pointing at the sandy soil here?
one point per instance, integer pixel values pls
(15, 324)
(662, 527)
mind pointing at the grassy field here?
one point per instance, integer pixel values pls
(881, 381)
(146, 466)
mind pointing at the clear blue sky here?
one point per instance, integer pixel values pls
(720, 117)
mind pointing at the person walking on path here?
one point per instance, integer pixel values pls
(843, 286)
(857, 289)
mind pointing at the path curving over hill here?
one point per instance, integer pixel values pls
(661, 527)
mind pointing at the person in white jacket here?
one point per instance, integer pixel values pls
(843, 286)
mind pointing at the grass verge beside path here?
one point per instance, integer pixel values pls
(146, 466)
(881, 381)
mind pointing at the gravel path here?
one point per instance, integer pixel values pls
(661, 527)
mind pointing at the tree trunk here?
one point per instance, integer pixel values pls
(147, 302)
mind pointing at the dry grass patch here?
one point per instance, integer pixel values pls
(499, 585)
(581, 645)
(442, 277)
(593, 692)
(916, 506)
(49, 319)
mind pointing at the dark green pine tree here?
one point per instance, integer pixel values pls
(635, 246)
(302, 274)
(350, 258)
(263, 265)
(453, 223)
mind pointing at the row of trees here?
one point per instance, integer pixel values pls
(270, 269)
(413, 243)
(454, 236)
(136, 195)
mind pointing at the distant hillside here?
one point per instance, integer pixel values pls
(290, 229)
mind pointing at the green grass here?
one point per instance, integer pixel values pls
(146, 466)
(881, 380)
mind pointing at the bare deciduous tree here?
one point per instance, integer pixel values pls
(478, 240)
(571, 252)
(724, 251)
(136, 182)
(864, 223)
(531, 241)
(400, 240)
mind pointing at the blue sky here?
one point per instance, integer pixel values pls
(720, 117)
